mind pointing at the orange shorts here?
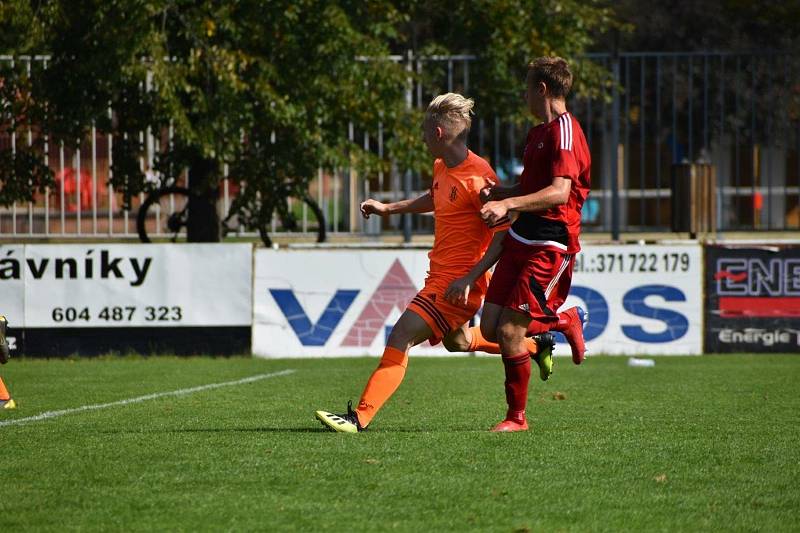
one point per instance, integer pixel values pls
(440, 315)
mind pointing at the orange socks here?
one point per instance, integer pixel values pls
(531, 345)
(480, 344)
(382, 384)
(4, 395)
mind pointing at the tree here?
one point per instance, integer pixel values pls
(264, 86)
(267, 87)
(709, 25)
(505, 36)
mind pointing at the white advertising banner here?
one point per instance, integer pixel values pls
(122, 285)
(332, 302)
(641, 300)
(90, 299)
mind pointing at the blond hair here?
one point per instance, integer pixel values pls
(453, 112)
(554, 72)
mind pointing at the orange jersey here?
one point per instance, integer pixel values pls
(460, 237)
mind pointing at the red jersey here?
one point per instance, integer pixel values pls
(557, 148)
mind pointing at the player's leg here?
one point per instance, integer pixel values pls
(4, 351)
(411, 329)
(490, 318)
(570, 322)
(460, 340)
(517, 364)
(468, 338)
(501, 287)
(529, 307)
(6, 402)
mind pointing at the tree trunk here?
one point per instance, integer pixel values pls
(203, 223)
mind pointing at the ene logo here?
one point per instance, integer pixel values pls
(396, 290)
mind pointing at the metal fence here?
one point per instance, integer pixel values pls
(738, 111)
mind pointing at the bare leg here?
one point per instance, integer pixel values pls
(511, 331)
(409, 330)
(490, 318)
(458, 340)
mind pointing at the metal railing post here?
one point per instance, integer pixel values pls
(615, 147)
(407, 175)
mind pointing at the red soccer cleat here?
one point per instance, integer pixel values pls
(511, 424)
(577, 318)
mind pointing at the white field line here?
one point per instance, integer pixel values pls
(179, 392)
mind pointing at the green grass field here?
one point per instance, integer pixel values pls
(700, 443)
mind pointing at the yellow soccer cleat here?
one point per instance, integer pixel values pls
(544, 356)
(347, 423)
(8, 404)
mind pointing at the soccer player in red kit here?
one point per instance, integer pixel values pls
(534, 274)
(464, 248)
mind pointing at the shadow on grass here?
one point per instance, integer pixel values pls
(288, 430)
(219, 430)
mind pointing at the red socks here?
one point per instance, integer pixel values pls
(518, 374)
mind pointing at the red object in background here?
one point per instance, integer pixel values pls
(758, 201)
(755, 306)
(71, 189)
(233, 188)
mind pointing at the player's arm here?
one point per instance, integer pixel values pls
(422, 204)
(500, 192)
(457, 292)
(554, 195)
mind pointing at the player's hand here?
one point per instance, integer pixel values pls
(457, 292)
(486, 194)
(371, 206)
(493, 212)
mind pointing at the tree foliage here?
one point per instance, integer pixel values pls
(505, 35)
(709, 25)
(264, 87)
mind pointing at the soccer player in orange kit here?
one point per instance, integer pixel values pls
(464, 249)
(6, 402)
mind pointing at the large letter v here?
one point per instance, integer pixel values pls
(308, 333)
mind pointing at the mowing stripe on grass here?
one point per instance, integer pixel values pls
(179, 392)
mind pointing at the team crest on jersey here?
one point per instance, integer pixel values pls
(541, 145)
(453, 193)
